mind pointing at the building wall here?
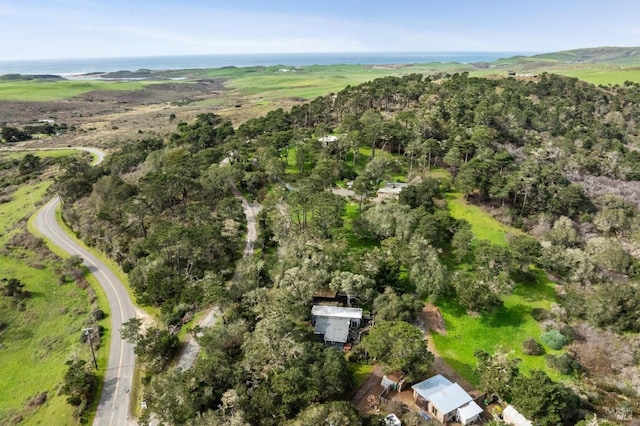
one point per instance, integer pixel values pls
(434, 412)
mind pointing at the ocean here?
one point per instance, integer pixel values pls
(88, 65)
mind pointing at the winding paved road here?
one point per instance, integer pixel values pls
(113, 408)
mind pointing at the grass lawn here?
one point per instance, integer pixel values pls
(355, 243)
(291, 168)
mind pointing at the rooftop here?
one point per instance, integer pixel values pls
(328, 138)
(334, 329)
(336, 312)
(469, 411)
(513, 417)
(434, 384)
(450, 398)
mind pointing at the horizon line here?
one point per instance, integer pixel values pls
(399, 52)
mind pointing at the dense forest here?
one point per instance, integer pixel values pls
(554, 156)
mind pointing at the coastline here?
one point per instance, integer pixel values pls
(81, 67)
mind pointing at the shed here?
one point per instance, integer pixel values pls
(328, 140)
(394, 381)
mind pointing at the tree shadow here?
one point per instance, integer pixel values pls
(465, 370)
(542, 289)
(511, 316)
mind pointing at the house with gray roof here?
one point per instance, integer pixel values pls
(335, 324)
(446, 401)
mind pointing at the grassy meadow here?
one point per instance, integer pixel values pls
(483, 225)
(59, 90)
(507, 327)
(44, 331)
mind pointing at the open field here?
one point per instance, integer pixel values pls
(59, 90)
(604, 76)
(484, 226)
(314, 81)
(507, 327)
(38, 341)
(54, 153)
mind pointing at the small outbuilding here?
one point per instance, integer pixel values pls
(326, 141)
(393, 381)
(446, 401)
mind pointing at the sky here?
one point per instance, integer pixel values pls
(48, 29)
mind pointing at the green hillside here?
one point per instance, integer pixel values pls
(609, 55)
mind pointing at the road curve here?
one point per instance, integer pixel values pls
(113, 408)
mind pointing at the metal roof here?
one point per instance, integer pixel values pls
(469, 411)
(336, 312)
(450, 398)
(334, 329)
(434, 384)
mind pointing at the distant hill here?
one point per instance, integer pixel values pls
(26, 77)
(611, 55)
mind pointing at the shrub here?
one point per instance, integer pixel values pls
(565, 363)
(531, 347)
(98, 314)
(539, 314)
(569, 332)
(554, 339)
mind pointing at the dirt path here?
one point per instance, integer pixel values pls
(191, 348)
(371, 386)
